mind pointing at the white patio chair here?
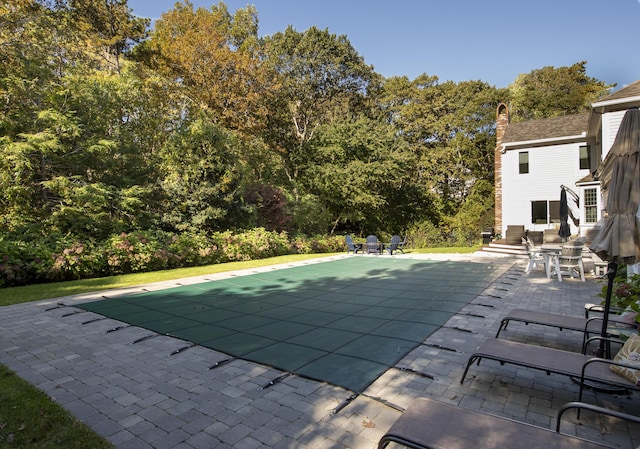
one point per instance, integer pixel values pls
(569, 261)
(536, 258)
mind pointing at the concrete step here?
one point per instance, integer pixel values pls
(504, 248)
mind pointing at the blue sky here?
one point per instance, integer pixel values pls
(462, 40)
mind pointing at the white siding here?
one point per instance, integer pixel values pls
(549, 167)
(610, 124)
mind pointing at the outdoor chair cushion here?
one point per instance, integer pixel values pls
(513, 234)
(629, 354)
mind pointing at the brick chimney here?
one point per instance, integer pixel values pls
(502, 121)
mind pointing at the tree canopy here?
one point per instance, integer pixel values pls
(109, 124)
(551, 92)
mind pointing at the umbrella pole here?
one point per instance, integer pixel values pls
(612, 270)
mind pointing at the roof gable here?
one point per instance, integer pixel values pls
(632, 90)
(625, 98)
(548, 128)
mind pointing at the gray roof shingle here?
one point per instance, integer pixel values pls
(547, 128)
(632, 90)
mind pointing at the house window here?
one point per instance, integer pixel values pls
(545, 212)
(554, 211)
(585, 163)
(539, 212)
(591, 205)
(523, 159)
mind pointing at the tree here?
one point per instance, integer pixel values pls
(82, 166)
(201, 176)
(362, 175)
(76, 156)
(112, 26)
(211, 59)
(321, 77)
(31, 40)
(451, 129)
(552, 92)
(474, 214)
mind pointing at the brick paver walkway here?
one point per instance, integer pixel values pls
(156, 393)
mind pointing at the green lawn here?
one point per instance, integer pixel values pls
(17, 295)
(28, 418)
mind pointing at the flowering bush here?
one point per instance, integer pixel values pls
(76, 260)
(194, 250)
(327, 244)
(61, 257)
(301, 245)
(135, 251)
(625, 294)
(255, 244)
(22, 262)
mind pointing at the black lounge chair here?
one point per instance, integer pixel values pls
(594, 408)
(351, 246)
(429, 424)
(587, 368)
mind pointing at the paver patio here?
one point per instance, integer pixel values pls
(159, 393)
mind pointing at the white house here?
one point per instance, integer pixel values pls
(536, 159)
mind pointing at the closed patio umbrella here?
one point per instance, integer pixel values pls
(565, 230)
(618, 242)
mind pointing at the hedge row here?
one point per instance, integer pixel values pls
(63, 258)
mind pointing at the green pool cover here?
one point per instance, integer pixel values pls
(344, 321)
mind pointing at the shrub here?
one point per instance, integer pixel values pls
(136, 251)
(255, 244)
(427, 235)
(625, 294)
(327, 244)
(76, 260)
(301, 245)
(22, 263)
(59, 258)
(193, 250)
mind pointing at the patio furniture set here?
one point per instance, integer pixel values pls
(564, 259)
(374, 246)
(427, 424)
(430, 424)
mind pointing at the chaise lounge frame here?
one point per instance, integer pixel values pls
(526, 316)
(588, 369)
(587, 326)
(430, 424)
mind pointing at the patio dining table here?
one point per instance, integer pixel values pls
(549, 252)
